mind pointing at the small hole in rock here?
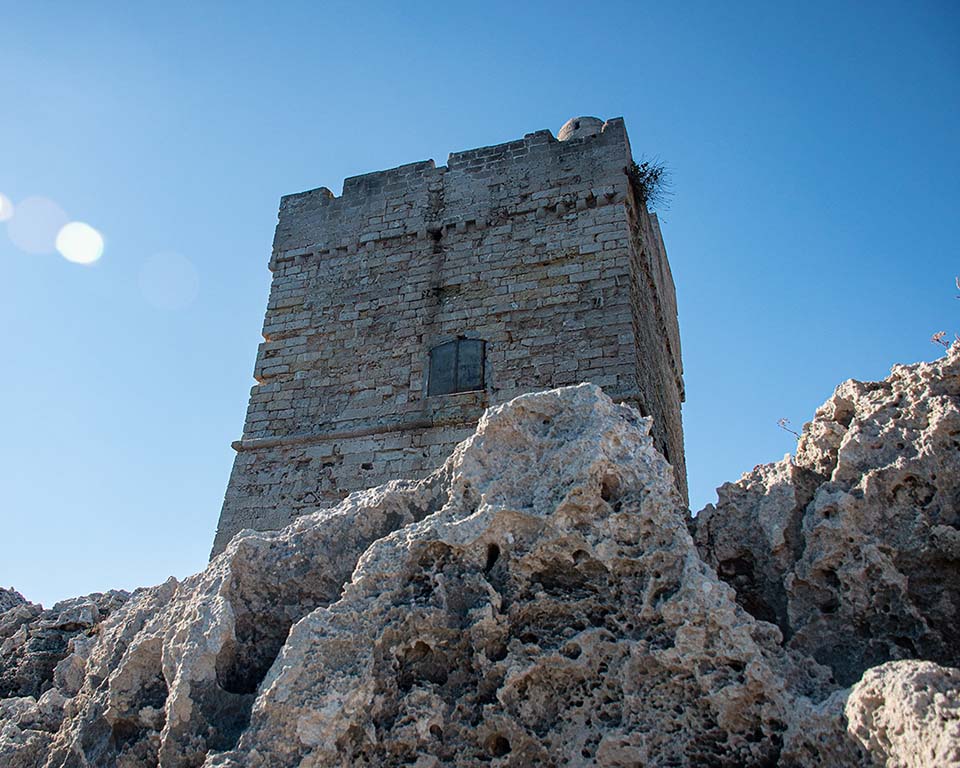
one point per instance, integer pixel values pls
(421, 664)
(609, 487)
(571, 650)
(498, 745)
(493, 554)
(497, 653)
(830, 605)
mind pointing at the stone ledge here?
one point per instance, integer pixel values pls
(258, 443)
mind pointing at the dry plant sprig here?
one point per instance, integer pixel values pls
(784, 424)
(940, 337)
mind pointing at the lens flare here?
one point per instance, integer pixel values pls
(169, 281)
(6, 208)
(35, 226)
(80, 243)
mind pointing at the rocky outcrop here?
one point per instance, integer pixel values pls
(10, 598)
(853, 546)
(184, 661)
(907, 714)
(554, 609)
(41, 654)
(33, 641)
(537, 601)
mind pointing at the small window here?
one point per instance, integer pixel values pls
(456, 366)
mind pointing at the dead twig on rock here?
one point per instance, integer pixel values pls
(784, 424)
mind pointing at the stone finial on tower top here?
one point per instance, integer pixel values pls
(578, 127)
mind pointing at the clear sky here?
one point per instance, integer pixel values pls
(812, 234)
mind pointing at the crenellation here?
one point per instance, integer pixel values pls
(536, 246)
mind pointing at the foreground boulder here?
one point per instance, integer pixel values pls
(907, 713)
(553, 610)
(537, 601)
(853, 546)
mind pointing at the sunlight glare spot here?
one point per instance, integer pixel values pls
(6, 208)
(80, 243)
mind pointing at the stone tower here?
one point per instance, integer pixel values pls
(403, 308)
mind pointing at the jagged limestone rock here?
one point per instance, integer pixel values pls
(184, 662)
(27, 728)
(33, 640)
(907, 714)
(853, 547)
(537, 601)
(37, 649)
(554, 610)
(10, 598)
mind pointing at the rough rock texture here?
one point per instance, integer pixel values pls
(40, 667)
(554, 611)
(907, 714)
(184, 661)
(10, 598)
(33, 640)
(538, 601)
(853, 547)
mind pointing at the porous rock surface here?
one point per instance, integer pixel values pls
(853, 546)
(10, 598)
(554, 611)
(33, 641)
(907, 714)
(40, 652)
(537, 601)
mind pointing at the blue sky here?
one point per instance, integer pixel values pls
(815, 162)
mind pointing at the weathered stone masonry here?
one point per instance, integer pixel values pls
(539, 247)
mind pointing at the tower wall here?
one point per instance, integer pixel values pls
(537, 246)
